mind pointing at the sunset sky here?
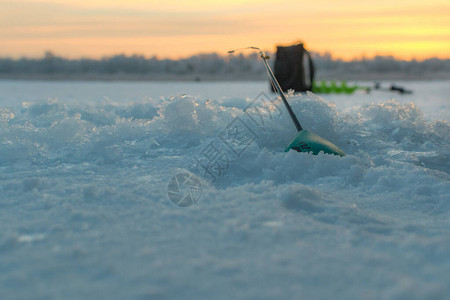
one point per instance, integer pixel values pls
(348, 28)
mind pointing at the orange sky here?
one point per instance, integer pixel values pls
(170, 28)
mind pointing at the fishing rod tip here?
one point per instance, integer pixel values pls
(240, 49)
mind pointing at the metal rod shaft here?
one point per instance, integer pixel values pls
(280, 92)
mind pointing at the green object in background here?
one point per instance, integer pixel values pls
(306, 141)
(333, 87)
(348, 89)
(321, 88)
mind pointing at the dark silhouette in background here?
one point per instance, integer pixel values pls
(294, 68)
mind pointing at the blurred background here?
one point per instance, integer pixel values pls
(188, 40)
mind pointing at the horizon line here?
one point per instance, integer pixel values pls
(362, 56)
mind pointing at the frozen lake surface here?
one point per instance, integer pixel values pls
(89, 170)
(430, 96)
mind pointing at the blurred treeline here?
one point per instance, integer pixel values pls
(214, 67)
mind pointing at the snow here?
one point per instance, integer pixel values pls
(85, 169)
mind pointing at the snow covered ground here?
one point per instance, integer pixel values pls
(86, 167)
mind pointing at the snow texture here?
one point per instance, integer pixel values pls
(85, 213)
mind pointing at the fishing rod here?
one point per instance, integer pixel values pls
(276, 85)
(304, 141)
